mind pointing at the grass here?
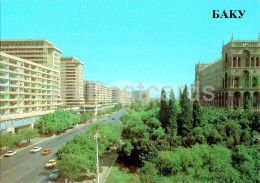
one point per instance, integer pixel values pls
(122, 175)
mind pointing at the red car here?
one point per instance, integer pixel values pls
(91, 120)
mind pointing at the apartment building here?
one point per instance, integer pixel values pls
(27, 91)
(71, 82)
(235, 77)
(97, 93)
(40, 51)
(120, 96)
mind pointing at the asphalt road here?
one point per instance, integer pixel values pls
(26, 167)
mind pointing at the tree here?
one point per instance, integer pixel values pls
(28, 133)
(197, 114)
(247, 104)
(185, 117)
(85, 116)
(163, 113)
(172, 119)
(148, 173)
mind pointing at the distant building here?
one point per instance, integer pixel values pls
(97, 93)
(235, 77)
(120, 96)
(71, 82)
(143, 96)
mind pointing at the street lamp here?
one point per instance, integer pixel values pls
(96, 136)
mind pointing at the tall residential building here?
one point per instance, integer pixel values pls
(27, 91)
(97, 93)
(235, 77)
(120, 96)
(71, 82)
(40, 51)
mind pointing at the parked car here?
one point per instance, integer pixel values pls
(113, 118)
(50, 164)
(104, 119)
(46, 151)
(9, 153)
(55, 174)
(91, 120)
(36, 149)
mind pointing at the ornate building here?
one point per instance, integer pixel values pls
(234, 78)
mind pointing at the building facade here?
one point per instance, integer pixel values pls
(234, 78)
(71, 82)
(120, 96)
(40, 51)
(97, 93)
(27, 91)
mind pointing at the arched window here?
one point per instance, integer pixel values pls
(252, 62)
(245, 79)
(246, 97)
(234, 62)
(236, 99)
(256, 101)
(254, 82)
(225, 80)
(238, 62)
(236, 82)
(257, 62)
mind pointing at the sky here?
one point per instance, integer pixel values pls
(128, 42)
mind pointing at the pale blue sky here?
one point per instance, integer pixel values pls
(131, 41)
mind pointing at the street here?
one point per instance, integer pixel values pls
(27, 167)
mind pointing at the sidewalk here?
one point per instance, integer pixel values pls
(109, 160)
(38, 140)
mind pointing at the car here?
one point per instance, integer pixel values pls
(9, 153)
(46, 151)
(35, 149)
(50, 164)
(55, 174)
(104, 119)
(113, 118)
(91, 120)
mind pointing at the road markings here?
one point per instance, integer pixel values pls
(11, 169)
(28, 172)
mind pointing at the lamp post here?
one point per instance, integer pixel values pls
(96, 136)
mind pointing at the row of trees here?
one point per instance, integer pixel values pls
(9, 140)
(180, 141)
(58, 121)
(114, 109)
(78, 156)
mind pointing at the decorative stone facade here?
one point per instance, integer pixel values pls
(234, 77)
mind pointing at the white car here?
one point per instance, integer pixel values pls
(35, 149)
(9, 153)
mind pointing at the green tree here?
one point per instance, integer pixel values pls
(148, 173)
(163, 113)
(247, 104)
(197, 114)
(28, 134)
(185, 118)
(173, 112)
